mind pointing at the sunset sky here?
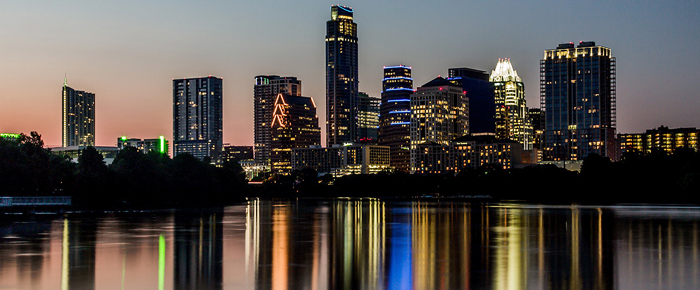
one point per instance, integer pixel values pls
(127, 53)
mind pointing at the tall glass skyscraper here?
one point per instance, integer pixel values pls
(341, 77)
(395, 115)
(367, 118)
(197, 117)
(577, 97)
(265, 92)
(480, 93)
(512, 121)
(78, 126)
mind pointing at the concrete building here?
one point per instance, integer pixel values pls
(294, 125)
(145, 145)
(265, 91)
(512, 120)
(661, 139)
(340, 160)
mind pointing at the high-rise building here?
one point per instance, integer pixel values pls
(78, 128)
(577, 96)
(197, 117)
(479, 91)
(395, 115)
(537, 121)
(368, 118)
(341, 77)
(439, 114)
(265, 92)
(294, 125)
(511, 109)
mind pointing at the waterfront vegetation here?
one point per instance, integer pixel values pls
(156, 180)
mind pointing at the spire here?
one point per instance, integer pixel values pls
(65, 80)
(504, 72)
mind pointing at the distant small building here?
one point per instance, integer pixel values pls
(144, 145)
(237, 153)
(659, 139)
(340, 160)
(10, 136)
(107, 152)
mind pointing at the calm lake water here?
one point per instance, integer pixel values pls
(356, 244)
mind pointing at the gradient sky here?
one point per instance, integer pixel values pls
(127, 53)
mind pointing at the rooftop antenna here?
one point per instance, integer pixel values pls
(65, 80)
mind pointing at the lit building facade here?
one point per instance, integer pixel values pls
(511, 117)
(198, 117)
(339, 160)
(661, 139)
(395, 115)
(341, 77)
(480, 92)
(237, 153)
(439, 113)
(144, 146)
(294, 125)
(467, 152)
(577, 96)
(368, 117)
(78, 126)
(265, 90)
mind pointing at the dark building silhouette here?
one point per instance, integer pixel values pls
(265, 91)
(341, 77)
(237, 153)
(577, 95)
(480, 93)
(395, 115)
(198, 117)
(294, 125)
(537, 121)
(78, 126)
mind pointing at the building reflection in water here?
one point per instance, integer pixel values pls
(198, 250)
(78, 254)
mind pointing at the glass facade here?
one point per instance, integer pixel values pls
(265, 91)
(577, 96)
(511, 117)
(341, 77)
(368, 118)
(395, 115)
(197, 117)
(294, 125)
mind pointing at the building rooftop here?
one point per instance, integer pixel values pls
(439, 82)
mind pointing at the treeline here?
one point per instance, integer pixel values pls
(133, 179)
(656, 178)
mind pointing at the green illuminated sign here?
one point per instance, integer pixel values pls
(162, 144)
(8, 135)
(123, 138)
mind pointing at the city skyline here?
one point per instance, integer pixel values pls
(650, 42)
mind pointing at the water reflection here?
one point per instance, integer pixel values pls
(357, 244)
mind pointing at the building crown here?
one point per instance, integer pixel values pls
(504, 72)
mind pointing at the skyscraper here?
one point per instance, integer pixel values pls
(197, 117)
(367, 118)
(480, 93)
(577, 97)
(294, 125)
(439, 114)
(78, 127)
(265, 92)
(511, 109)
(341, 77)
(395, 114)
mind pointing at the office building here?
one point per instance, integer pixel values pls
(144, 146)
(78, 117)
(339, 160)
(294, 125)
(265, 91)
(480, 92)
(237, 153)
(109, 153)
(368, 118)
(439, 113)
(511, 109)
(536, 117)
(395, 115)
(577, 96)
(341, 77)
(661, 139)
(198, 117)
(467, 152)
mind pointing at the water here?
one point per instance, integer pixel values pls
(356, 244)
